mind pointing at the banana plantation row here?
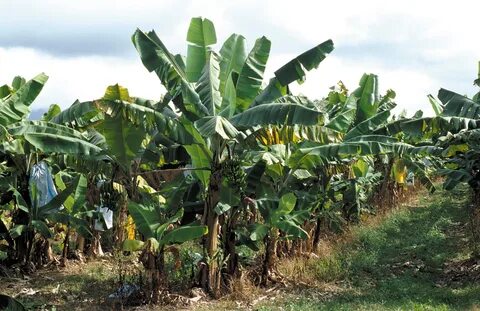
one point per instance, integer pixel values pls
(222, 161)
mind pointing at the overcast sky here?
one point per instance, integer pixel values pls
(415, 47)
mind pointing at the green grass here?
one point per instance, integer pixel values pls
(396, 265)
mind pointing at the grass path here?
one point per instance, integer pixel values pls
(398, 264)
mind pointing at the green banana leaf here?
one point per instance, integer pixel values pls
(156, 57)
(455, 105)
(278, 114)
(369, 125)
(79, 115)
(208, 86)
(295, 70)
(216, 125)
(367, 93)
(428, 126)
(147, 219)
(454, 177)
(233, 55)
(123, 139)
(15, 107)
(183, 234)
(45, 137)
(251, 76)
(344, 118)
(201, 35)
(201, 161)
(291, 229)
(436, 106)
(52, 111)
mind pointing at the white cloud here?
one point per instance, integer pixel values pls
(415, 47)
(83, 78)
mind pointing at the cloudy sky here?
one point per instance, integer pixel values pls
(415, 47)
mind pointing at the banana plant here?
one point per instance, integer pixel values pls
(38, 217)
(137, 135)
(22, 144)
(161, 233)
(350, 143)
(217, 93)
(278, 215)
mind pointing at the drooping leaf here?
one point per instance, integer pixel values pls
(454, 177)
(295, 70)
(42, 228)
(270, 93)
(372, 145)
(17, 231)
(184, 234)
(278, 114)
(147, 219)
(55, 204)
(216, 125)
(156, 57)
(456, 105)
(163, 226)
(291, 229)
(201, 161)
(427, 127)
(360, 168)
(79, 114)
(123, 138)
(49, 138)
(286, 204)
(258, 232)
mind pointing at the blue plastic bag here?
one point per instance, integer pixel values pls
(41, 186)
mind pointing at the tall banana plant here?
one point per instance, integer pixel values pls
(349, 144)
(22, 144)
(132, 132)
(218, 93)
